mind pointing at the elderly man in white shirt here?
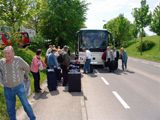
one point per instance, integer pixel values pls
(87, 60)
(49, 49)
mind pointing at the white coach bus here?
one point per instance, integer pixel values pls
(96, 40)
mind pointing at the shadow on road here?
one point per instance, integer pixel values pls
(106, 70)
(43, 95)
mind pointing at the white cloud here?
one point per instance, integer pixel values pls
(100, 10)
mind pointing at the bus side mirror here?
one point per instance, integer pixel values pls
(111, 37)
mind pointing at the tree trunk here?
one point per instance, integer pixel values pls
(141, 41)
(135, 40)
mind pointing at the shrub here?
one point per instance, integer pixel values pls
(146, 45)
(38, 41)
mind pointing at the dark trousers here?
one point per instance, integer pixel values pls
(36, 77)
(109, 64)
(65, 74)
(116, 60)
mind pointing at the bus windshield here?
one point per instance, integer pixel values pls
(93, 40)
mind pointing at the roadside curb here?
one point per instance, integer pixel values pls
(33, 98)
(83, 107)
(20, 113)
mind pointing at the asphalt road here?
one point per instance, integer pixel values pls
(130, 95)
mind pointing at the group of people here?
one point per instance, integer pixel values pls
(13, 71)
(52, 57)
(51, 62)
(110, 58)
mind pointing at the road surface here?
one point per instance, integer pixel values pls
(130, 95)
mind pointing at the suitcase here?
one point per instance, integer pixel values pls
(115, 64)
(51, 80)
(58, 73)
(74, 82)
(112, 65)
(91, 68)
(106, 64)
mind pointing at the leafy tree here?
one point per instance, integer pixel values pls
(144, 34)
(135, 31)
(155, 24)
(62, 19)
(120, 28)
(36, 8)
(142, 17)
(14, 12)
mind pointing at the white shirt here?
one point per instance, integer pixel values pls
(108, 54)
(48, 51)
(56, 54)
(115, 53)
(88, 54)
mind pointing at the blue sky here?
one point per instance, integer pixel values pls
(100, 10)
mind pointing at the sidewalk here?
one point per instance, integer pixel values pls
(56, 105)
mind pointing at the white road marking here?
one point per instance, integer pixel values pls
(157, 65)
(104, 81)
(97, 71)
(121, 100)
(135, 60)
(145, 62)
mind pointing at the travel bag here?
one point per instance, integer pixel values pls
(51, 80)
(58, 73)
(74, 81)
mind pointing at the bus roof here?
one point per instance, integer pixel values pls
(9, 33)
(93, 29)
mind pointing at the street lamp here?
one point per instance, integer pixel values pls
(113, 30)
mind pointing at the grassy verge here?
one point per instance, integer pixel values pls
(27, 55)
(152, 54)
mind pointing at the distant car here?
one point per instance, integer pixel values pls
(5, 39)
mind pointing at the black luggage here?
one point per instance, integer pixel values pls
(74, 82)
(112, 65)
(51, 80)
(106, 64)
(91, 68)
(115, 64)
(58, 73)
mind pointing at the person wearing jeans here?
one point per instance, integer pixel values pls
(87, 65)
(124, 58)
(87, 60)
(13, 81)
(124, 63)
(10, 95)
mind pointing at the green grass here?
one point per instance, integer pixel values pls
(27, 55)
(152, 54)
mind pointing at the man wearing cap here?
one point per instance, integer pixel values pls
(65, 65)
